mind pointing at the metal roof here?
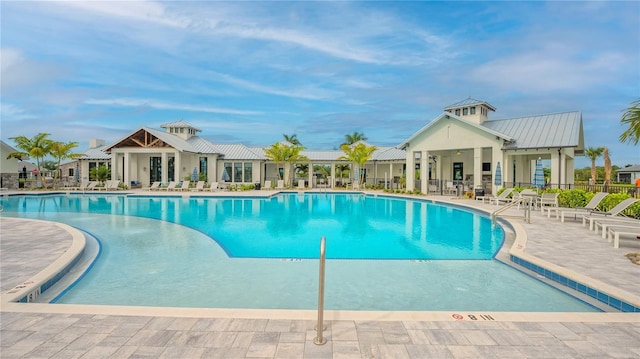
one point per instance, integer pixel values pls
(203, 146)
(180, 123)
(635, 168)
(389, 154)
(96, 153)
(237, 152)
(469, 102)
(562, 129)
(172, 140)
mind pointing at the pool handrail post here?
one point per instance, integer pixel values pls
(320, 340)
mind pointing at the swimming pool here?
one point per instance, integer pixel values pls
(157, 251)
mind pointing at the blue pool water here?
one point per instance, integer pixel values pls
(158, 251)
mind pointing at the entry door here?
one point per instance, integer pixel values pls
(457, 171)
(155, 169)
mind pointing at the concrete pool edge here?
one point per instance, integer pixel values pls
(310, 314)
(31, 289)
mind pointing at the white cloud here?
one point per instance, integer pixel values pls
(161, 105)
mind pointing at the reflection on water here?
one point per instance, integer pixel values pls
(290, 225)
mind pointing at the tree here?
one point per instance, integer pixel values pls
(277, 152)
(292, 139)
(37, 148)
(359, 154)
(286, 154)
(62, 151)
(607, 169)
(101, 173)
(593, 154)
(631, 118)
(353, 138)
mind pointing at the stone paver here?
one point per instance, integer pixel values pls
(51, 335)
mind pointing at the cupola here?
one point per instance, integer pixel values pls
(471, 109)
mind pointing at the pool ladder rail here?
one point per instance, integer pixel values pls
(526, 203)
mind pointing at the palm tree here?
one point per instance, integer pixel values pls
(292, 139)
(277, 152)
(353, 138)
(62, 151)
(101, 173)
(293, 156)
(37, 148)
(359, 154)
(593, 154)
(631, 118)
(607, 169)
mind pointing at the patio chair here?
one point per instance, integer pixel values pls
(589, 207)
(214, 187)
(547, 201)
(170, 187)
(154, 186)
(113, 185)
(301, 186)
(267, 185)
(184, 186)
(91, 186)
(81, 187)
(450, 188)
(280, 184)
(612, 214)
(504, 196)
(615, 232)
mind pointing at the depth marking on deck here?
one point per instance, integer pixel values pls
(485, 317)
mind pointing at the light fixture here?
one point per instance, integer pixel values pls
(144, 169)
(458, 153)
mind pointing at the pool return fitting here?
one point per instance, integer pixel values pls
(320, 340)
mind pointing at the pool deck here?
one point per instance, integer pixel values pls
(35, 330)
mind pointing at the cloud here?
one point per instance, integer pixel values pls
(161, 105)
(19, 72)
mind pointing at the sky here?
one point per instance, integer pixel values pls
(249, 72)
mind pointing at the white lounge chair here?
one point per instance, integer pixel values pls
(547, 201)
(170, 187)
(504, 196)
(589, 207)
(199, 186)
(113, 185)
(280, 184)
(594, 216)
(267, 185)
(81, 187)
(91, 186)
(154, 186)
(184, 186)
(301, 186)
(214, 187)
(616, 231)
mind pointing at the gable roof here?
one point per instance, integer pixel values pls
(446, 115)
(563, 129)
(180, 123)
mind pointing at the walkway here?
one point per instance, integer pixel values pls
(69, 331)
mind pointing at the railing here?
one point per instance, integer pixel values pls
(526, 202)
(320, 340)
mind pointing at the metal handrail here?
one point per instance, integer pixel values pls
(526, 202)
(319, 340)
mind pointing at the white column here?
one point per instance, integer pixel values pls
(127, 169)
(477, 166)
(333, 175)
(177, 166)
(411, 168)
(310, 175)
(164, 163)
(424, 172)
(114, 164)
(555, 168)
(507, 169)
(563, 168)
(390, 184)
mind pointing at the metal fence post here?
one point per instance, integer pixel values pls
(320, 340)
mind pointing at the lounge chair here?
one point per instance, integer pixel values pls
(594, 216)
(91, 186)
(113, 185)
(154, 186)
(589, 207)
(301, 186)
(170, 187)
(450, 188)
(615, 232)
(267, 185)
(280, 184)
(81, 187)
(184, 186)
(504, 196)
(199, 186)
(214, 187)
(547, 201)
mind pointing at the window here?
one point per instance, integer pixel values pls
(181, 130)
(486, 166)
(465, 111)
(70, 172)
(472, 110)
(237, 172)
(227, 172)
(457, 112)
(457, 171)
(203, 165)
(248, 173)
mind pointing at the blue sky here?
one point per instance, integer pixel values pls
(249, 72)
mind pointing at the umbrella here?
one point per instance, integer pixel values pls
(77, 173)
(538, 176)
(497, 180)
(194, 175)
(225, 176)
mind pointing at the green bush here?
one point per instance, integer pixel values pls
(574, 198)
